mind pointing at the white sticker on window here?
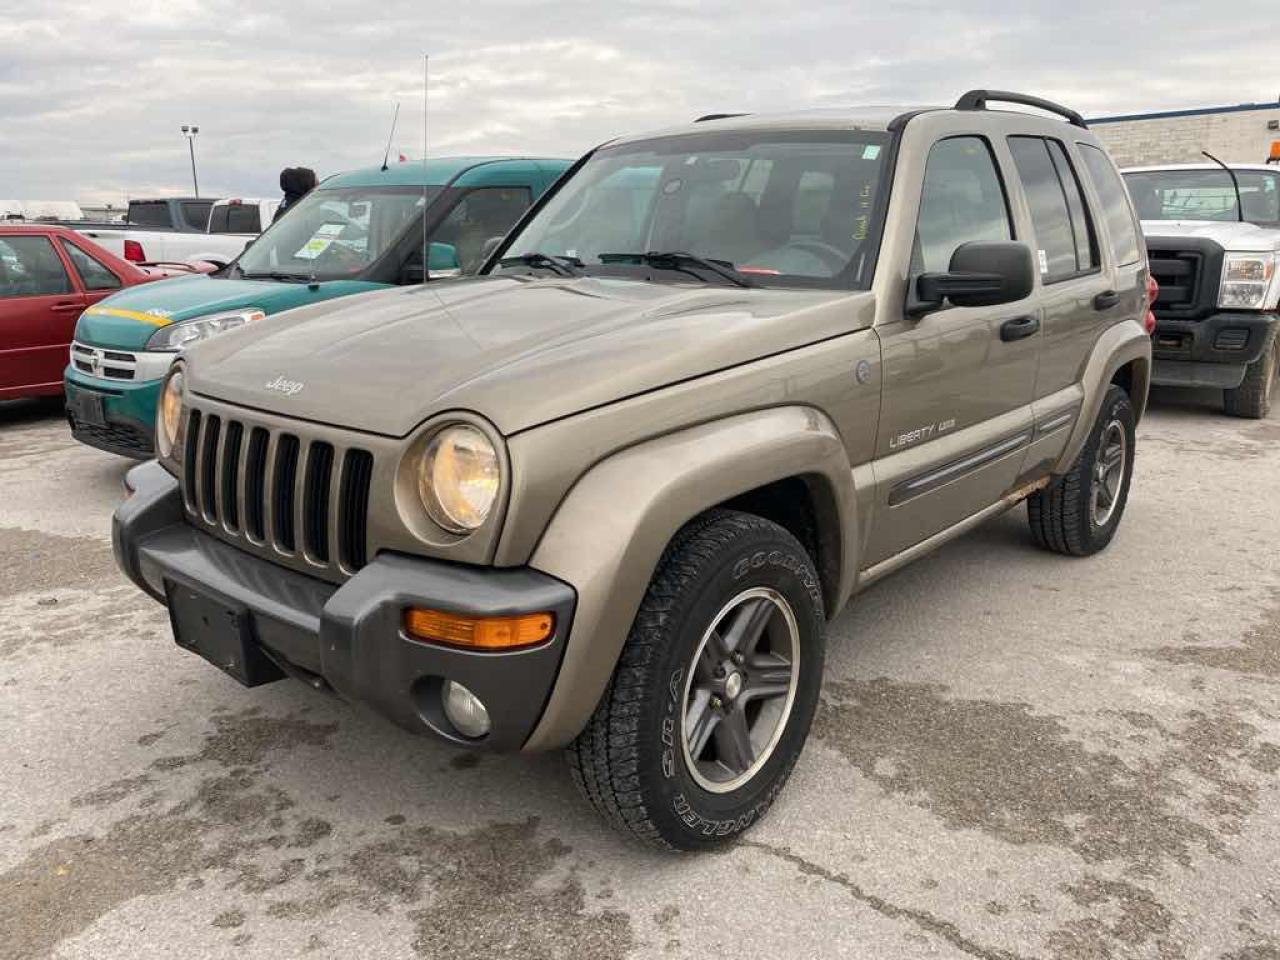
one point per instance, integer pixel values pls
(1044, 262)
(870, 151)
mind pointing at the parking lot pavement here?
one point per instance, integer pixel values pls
(1018, 755)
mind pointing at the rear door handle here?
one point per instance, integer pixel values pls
(1106, 300)
(1019, 328)
(67, 307)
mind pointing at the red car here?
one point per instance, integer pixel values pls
(48, 275)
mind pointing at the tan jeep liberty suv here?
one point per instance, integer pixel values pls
(606, 495)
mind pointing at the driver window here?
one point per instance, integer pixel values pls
(481, 214)
(963, 200)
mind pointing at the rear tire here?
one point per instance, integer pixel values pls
(715, 689)
(1252, 399)
(1079, 512)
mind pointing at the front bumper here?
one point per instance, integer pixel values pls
(348, 638)
(129, 410)
(1212, 352)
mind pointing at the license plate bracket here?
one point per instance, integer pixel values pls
(87, 407)
(219, 633)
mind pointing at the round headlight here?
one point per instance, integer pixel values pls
(458, 478)
(169, 414)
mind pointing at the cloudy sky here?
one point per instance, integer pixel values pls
(92, 93)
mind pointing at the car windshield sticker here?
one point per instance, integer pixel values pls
(870, 151)
(320, 241)
(1044, 262)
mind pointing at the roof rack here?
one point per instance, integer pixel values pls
(717, 116)
(977, 100)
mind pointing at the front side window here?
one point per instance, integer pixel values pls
(1115, 204)
(962, 200)
(93, 274)
(481, 214)
(1064, 243)
(1204, 195)
(780, 208)
(30, 267)
(335, 234)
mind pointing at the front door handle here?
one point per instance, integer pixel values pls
(1106, 300)
(1019, 328)
(67, 307)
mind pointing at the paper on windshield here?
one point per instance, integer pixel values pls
(320, 241)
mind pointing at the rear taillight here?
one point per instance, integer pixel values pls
(1153, 291)
(133, 252)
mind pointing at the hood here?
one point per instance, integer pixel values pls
(1230, 235)
(520, 352)
(127, 319)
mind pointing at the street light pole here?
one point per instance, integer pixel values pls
(190, 131)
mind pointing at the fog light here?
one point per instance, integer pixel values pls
(465, 711)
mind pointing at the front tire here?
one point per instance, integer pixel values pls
(1079, 512)
(715, 689)
(1252, 399)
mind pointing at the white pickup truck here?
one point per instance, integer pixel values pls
(1214, 252)
(183, 229)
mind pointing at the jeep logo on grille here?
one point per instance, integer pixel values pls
(287, 387)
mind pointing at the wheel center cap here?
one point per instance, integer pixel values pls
(733, 686)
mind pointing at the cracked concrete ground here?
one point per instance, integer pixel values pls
(1017, 756)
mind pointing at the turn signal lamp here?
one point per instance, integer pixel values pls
(478, 633)
(1274, 155)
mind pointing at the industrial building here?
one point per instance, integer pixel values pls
(1238, 134)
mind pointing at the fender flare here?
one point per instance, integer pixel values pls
(1119, 345)
(608, 534)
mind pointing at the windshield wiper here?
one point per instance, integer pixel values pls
(565, 266)
(276, 275)
(679, 260)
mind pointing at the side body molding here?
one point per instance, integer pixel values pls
(1119, 345)
(609, 533)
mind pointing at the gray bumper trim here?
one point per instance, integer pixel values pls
(350, 635)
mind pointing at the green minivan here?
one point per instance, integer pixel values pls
(355, 232)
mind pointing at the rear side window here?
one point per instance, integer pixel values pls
(1064, 234)
(150, 214)
(196, 213)
(1115, 204)
(29, 267)
(93, 274)
(963, 200)
(235, 218)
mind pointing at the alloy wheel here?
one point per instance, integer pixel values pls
(739, 689)
(1108, 473)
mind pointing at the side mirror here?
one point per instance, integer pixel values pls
(982, 274)
(442, 261)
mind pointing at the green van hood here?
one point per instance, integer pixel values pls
(126, 320)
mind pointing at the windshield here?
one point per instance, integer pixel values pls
(1204, 195)
(778, 207)
(335, 234)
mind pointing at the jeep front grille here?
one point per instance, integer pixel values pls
(271, 491)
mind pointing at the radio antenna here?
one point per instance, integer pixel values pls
(386, 156)
(426, 86)
(1235, 184)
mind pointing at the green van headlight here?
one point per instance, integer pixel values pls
(177, 335)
